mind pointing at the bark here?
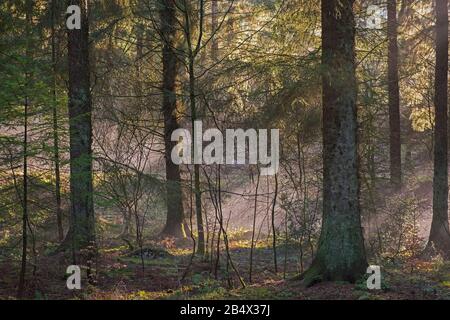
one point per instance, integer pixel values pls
(192, 52)
(23, 269)
(82, 221)
(394, 97)
(197, 188)
(274, 230)
(252, 246)
(341, 254)
(139, 56)
(439, 240)
(175, 211)
(56, 156)
(214, 26)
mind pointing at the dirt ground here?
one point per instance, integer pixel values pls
(169, 273)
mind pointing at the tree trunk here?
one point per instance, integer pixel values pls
(341, 254)
(394, 97)
(214, 26)
(197, 189)
(82, 233)
(439, 240)
(274, 230)
(193, 50)
(55, 132)
(23, 268)
(175, 211)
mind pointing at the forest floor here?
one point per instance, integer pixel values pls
(121, 276)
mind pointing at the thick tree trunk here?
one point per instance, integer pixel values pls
(175, 211)
(341, 254)
(439, 240)
(82, 222)
(394, 97)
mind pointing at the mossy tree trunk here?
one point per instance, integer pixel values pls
(341, 254)
(82, 222)
(439, 240)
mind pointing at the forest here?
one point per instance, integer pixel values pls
(224, 150)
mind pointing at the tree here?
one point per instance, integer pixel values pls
(440, 235)
(214, 27)
(56, 155)
(175, 212)
(29, 4)
(193, 49)
(82, 222)
(341, 253)
(394, 97)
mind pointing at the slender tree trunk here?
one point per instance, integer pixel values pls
(23, 269)
(24, 204)
(394, 97)
(252, 246)
(214, 26)
(197, 189)
(274, 230)
(341, 254)
(440, 235)
(56, 157)
(82, 233)
(175, 211)
(193, 50)
(139, 57)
